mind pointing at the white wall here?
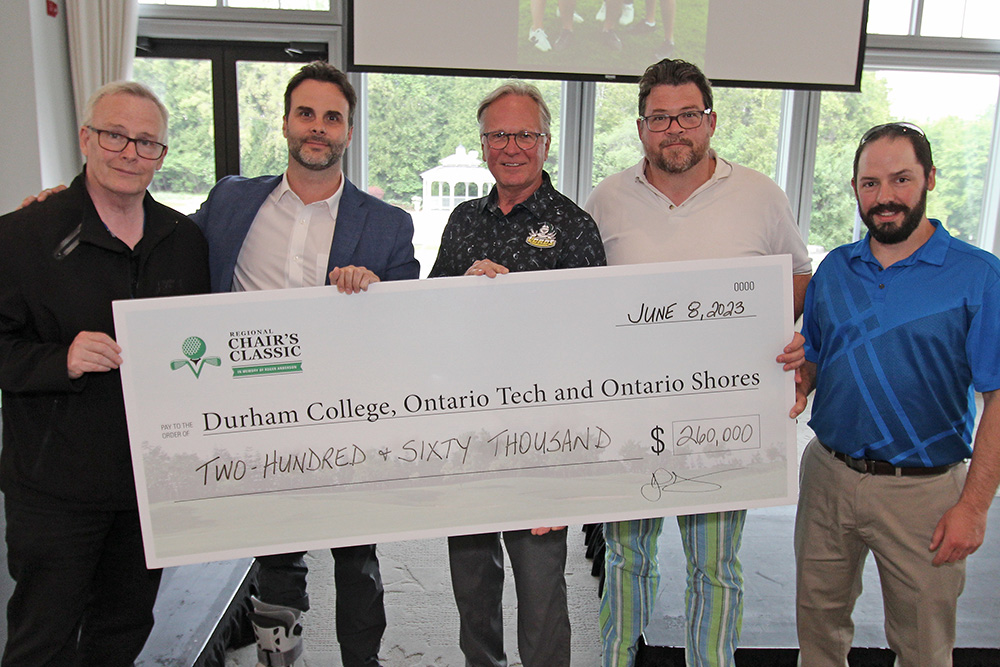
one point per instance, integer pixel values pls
(38, 132)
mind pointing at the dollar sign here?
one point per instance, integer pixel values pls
(659, 446)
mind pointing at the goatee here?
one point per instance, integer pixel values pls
(674, 163)
(319, 164)
(889, 233)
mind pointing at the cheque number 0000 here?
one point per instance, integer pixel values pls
(743, 286)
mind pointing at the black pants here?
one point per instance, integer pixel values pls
(82, 593)
(360, 609)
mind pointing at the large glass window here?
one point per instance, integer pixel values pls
(748, 127)
(961, 18)
(280, 4)
(260, 88)
(424, 153)
(938, 18)
(616, 141)
(955, 110)
(185, 86)
(415, 124)
(889, 17)
(181, 3)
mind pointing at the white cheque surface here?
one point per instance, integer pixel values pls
(279, 421)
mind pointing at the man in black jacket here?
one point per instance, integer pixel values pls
(83, 595)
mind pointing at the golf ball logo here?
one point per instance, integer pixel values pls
(194, 349)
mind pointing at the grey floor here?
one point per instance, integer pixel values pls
(423, 623)
(421, 616)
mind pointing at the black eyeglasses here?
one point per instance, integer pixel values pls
(524, 140)
(114, 141)
(688, 120)
(886, 128)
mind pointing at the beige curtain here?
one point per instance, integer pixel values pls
(102, 36)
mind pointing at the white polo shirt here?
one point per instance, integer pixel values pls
(738, 212)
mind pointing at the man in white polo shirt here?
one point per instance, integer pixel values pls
(683, 202)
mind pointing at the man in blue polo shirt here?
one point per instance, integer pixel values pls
(901, 328)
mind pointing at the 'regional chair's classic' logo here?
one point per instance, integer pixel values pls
(194, 349)
(264, 351)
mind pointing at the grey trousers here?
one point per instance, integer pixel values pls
(477, 573)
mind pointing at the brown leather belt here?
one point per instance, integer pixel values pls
(873, 467)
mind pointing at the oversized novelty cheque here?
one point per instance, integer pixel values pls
(287, 420)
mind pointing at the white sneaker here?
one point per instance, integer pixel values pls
(602, 12)
(539, 39)
(628, 13)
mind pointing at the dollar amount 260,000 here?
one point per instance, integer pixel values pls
(717, 434)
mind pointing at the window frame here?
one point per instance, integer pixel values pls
(332, 16)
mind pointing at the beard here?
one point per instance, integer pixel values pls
(316, 162)
(888, 233)
(676, 160)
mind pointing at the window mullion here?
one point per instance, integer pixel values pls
(990, 217)
(576, 145)
(227, 83)
(797, 152)
(916, 16)
(356, 156)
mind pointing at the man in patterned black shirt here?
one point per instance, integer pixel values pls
(522, 225)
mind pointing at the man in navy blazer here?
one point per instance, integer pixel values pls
(310, 226)
(368, 232)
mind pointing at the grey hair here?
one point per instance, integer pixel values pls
(523, 90)
(127, 88)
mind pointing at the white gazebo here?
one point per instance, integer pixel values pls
(460, 177)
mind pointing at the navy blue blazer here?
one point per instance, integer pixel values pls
(368, 233)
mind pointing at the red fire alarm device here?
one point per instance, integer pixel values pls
(51, 8)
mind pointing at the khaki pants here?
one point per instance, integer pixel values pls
(844, 514)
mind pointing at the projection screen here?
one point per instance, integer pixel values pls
(805, 44)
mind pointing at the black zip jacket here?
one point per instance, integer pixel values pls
(65, 442)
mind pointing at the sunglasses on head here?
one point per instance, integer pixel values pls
(901, 128)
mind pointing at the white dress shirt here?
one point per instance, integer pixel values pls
(288, 244)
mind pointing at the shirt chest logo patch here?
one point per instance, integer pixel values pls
(544, 237)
